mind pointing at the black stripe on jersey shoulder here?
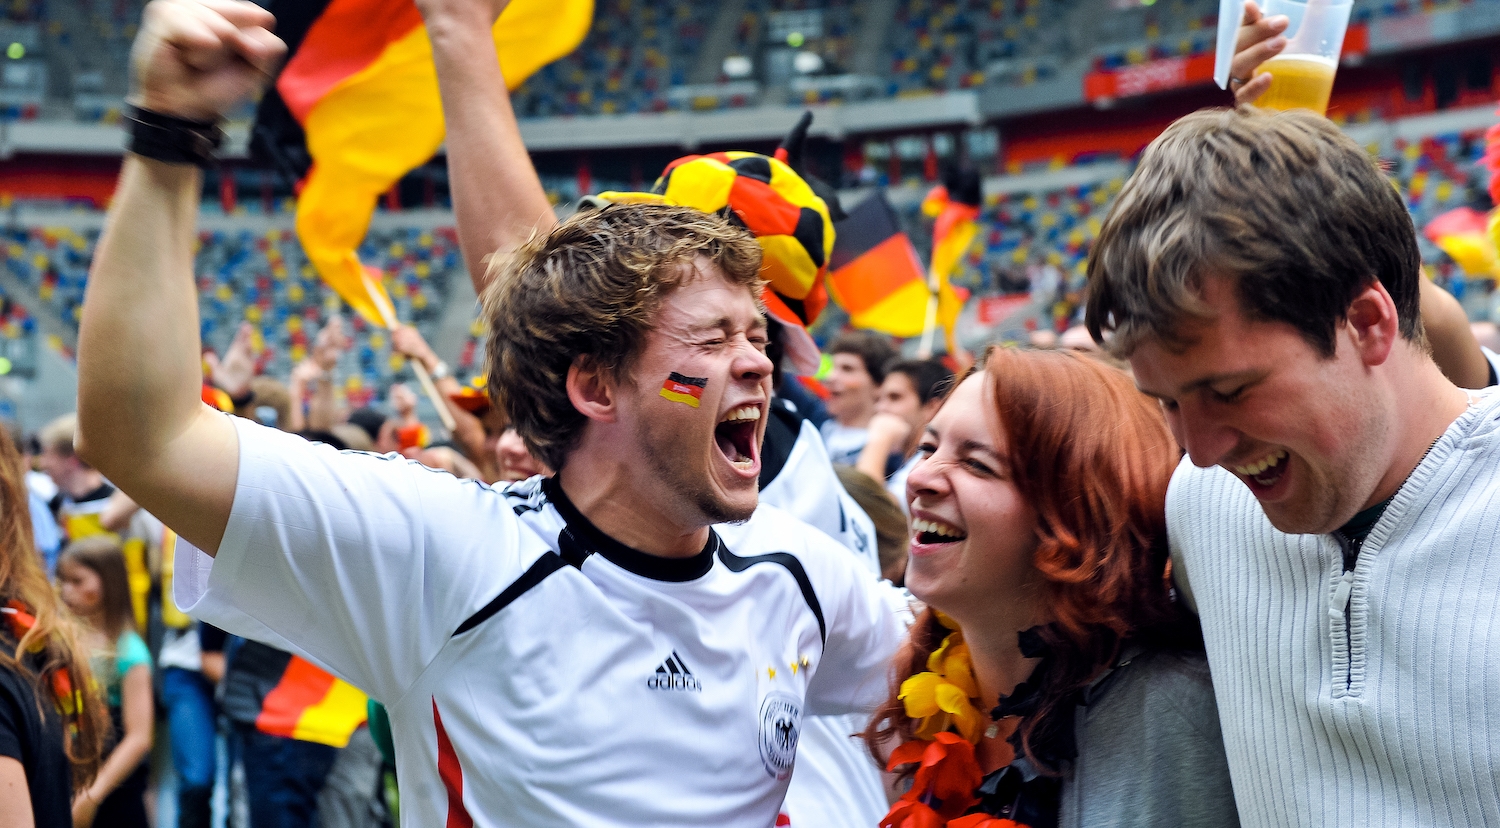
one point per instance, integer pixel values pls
(737, 564)
(547, 564)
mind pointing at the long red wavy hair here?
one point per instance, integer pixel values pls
(1092, 455)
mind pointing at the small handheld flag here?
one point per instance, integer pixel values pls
(686, 390)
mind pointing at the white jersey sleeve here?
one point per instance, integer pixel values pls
(361, 563)
(865, 625)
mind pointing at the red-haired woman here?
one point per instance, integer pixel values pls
(52, 721)
(1039, 547)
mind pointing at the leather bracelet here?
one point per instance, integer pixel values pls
(170, 139)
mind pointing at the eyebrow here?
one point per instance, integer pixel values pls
(1203, 382)
(725, 323)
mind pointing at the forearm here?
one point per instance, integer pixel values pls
(138, 718)
(323, 406)
(138, 346)
(498, 201)
(875, 454)
(297, 390)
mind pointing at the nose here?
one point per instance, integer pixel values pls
(752, 364)
(1205, 439)
(926, 479)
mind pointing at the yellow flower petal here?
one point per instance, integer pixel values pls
(918, 693)
(959, 670)
(952, 699)
(970, 724)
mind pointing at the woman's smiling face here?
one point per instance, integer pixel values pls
(974, 536)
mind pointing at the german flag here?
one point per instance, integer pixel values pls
(687, 390)
(356, 108)
(954, 207)
(310, 705)
(877, 276)
(1464, 234)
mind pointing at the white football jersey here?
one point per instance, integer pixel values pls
(536, 671)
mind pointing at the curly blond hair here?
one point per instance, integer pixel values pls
(589, 290)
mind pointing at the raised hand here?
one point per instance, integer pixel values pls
(196, 59)
(1259, 39)
(232, 374)
(331, 342)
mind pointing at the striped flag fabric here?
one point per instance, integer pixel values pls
(359, 92)
(1464, 234)
(310, 705)
(876, 274)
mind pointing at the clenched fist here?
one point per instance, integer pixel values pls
(197, 58)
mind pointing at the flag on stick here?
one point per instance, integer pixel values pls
(877, 276)
(356, 108)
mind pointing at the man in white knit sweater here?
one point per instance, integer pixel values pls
(1336, 517)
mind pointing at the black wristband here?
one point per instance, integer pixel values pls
(171, 139)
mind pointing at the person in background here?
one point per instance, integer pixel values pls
(912, 392)
(859, 360)
(314, 401)
(95, 588)
(45, 533)
(891, 529)
(380, 428)
(515, 460)
(187, 697)
(53, 724)
(82, 492)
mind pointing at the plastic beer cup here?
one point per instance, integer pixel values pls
(1302, 75)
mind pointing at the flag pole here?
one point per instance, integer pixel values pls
(423, 378)
(929, 324)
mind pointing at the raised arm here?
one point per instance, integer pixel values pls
(498, 201)
(140, 418)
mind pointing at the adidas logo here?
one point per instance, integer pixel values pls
(673, 674)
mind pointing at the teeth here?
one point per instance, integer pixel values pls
(919, 526)
(744, 412)
(1260, 465)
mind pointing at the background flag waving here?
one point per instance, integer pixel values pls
(877, 276)
(955, 208)
(1464, 235)
(356, 108)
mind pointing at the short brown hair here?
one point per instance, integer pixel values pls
(1297, 214)
(873, 349)
(106, 557)
(589, 290)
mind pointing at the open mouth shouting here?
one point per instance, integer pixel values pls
(1263, 475)
(736, 435)
(930, 535)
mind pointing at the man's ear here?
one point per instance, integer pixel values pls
(930, 409)
(592, 390)
(1373, 324)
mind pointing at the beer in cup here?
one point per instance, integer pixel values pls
(1302, 75)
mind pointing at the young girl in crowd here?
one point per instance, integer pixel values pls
(52, 723)
(1053, 679)
(96, 589)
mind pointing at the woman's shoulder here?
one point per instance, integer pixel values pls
(131, 651)
(1159, 687)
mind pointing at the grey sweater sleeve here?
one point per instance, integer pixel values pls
(1149, 750)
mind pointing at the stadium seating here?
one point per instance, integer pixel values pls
(263, 278)
(635, 51)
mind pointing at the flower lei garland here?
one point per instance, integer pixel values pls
(940, 700)
(69, 700)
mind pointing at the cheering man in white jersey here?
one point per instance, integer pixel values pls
(585, 650)
(1335, 516)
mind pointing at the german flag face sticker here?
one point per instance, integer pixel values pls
(686, 390)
